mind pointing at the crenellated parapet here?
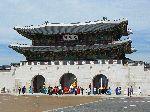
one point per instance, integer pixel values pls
(81, 62)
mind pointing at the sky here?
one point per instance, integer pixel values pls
(36, 12)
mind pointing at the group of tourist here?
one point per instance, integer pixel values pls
(23, 90)
(99, 91)
(71, 90)
(57, 90)
(130, 91)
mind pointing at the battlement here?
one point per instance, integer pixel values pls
(22, 63)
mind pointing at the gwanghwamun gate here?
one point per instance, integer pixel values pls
(92, 52)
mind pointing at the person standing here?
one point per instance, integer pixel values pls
(131, 91)
(86, 91)
(30, 90)
(99, 91)
(49, 89)
(89, 91)
(109, 91)
(78, 90)
(139, 91)
(59, 90)
(75, 91)
(19, 89)
(23, 89)
(82, 91)
(90, 86)
(55, 90)
(62, 91)
(117, 91)
(128, 91)
(94, 90)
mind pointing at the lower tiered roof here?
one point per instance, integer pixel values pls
(115, 50)
(25, 47)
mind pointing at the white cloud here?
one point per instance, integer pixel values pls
(25, 12)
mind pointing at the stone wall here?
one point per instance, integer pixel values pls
(118, 75)
(7, 80)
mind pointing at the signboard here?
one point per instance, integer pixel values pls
(70, 37)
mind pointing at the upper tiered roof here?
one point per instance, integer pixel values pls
(72, 28)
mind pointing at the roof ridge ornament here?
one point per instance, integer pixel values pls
(104, 18)
(46, 22)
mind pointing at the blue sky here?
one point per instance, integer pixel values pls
(33, 12)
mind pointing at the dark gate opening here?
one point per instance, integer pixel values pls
(100, 81)
(38, 83)
(67, 80)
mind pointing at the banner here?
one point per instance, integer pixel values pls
(74, 84)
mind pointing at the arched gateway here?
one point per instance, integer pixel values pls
(96, 42)
(67, 80)
(99, 81)
(38, 82)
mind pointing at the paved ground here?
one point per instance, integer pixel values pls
(135, 104)
(40, 103)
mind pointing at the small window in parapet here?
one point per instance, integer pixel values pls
(29, 63)
(103, 61)
(118, 61)
(49, 63)
(35, 63)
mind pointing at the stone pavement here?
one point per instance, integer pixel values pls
(117, 104)
(40, 103)
(103, 95)
(71, 103)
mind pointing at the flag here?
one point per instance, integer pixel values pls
(74, 84)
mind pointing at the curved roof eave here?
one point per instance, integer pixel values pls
(52, 29)
(71, 24)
